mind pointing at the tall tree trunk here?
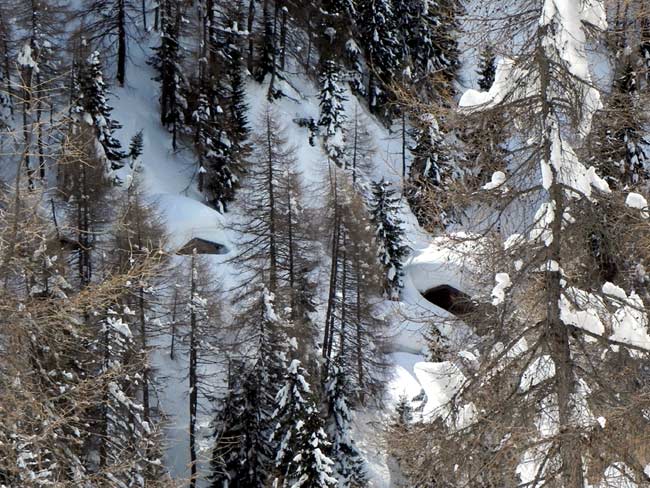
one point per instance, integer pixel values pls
(283, 37)
(6, 60)
(558, 332)
(329, 314)
(172, 352)
(121, 42)
(193, 375)
(273, 265)
(291, 256)
(144, 15)
(274, 48)
(251, 44)
(403, 145)
(359, 331)
(344, 297)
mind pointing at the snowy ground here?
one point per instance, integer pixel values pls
(169, 180)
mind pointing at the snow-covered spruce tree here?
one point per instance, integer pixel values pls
(167, 61)
(229, 430)
(230, 28)
(348, 462)
(114, 23)
(91, 108)
(271, 45)
(384, 208)
(427, 33)
(619, 149)
(301, 456)
(265, 60)
(218, 170)
(486, 68)
(244, 418)
(332, 112)
(136, 147)
(430, 175)
(380, 42)
(555, 396)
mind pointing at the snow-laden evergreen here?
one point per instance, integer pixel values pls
(301, 458)
(349, 465)
(332, 112)
(384, 210)
(92, 108)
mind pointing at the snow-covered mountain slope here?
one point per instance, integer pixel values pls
(169, 180)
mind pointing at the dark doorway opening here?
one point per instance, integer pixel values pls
(450, 299)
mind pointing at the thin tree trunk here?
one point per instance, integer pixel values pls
(193, 375)
(6, 61)
(329, 322)
(403, 145)
(355, 145)
(273, 266)
(283, 38)
(121, 42)
(173, 324)
(274, 50)
(344, 284)
(39, 128)
(144, 15)
(290, 250)
(251, 45)
(359, 331)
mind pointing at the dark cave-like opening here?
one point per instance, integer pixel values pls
(450, 299)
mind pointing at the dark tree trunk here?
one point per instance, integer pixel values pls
(193, 376)
(273, 265)
(121, 42)
(251, 44)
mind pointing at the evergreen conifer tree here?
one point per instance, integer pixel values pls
(218, 171)
(136, 146)
(92, 108)
(384, 207)
(301, 459)
(167, 61)
(233, 39)
(332, 112)
(243, 452)
(381, 43)
(486, 68)
(430, 173)
(348, 463)
(231, 425)
(618, 146)
(403, 412)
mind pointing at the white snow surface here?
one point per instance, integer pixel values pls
(638, 201)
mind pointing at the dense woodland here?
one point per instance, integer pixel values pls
(521, 153)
